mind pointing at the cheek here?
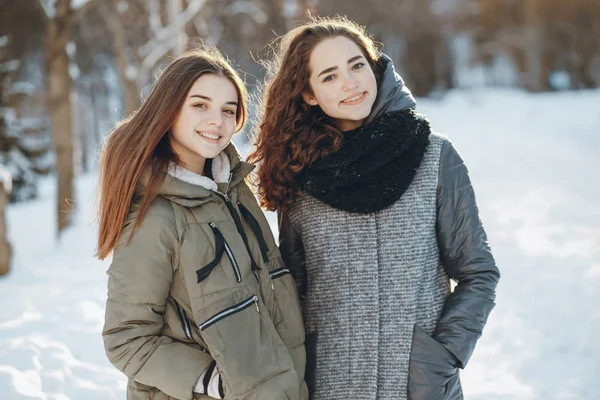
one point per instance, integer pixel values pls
(184, 120)
(373, 82)
(326, 98)
(176, 129)
(230, 130)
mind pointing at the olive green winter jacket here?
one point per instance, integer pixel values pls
(200, 281)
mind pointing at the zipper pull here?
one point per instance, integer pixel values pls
(228, 183)
(255, 299)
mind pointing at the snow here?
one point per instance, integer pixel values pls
(532, 160)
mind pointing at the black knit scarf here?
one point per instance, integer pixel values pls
(374, 166)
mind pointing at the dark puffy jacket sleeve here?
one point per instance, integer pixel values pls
(292, 253)
(466, 257)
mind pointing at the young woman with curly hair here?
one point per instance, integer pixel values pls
(376, 216)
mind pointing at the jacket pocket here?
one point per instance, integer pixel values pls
(242, 340)
(288, 317)
(286, 296)
(184, 322)
(253, 300)
(221, 248)
(433, 374)
(181, 326)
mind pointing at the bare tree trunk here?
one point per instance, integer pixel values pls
(78, 110)
(533, 47)
(58, 97)
(277, 22)
(5, 248)
(128, 82)
(444, 68)
(97, 130)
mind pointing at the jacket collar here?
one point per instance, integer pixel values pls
(191, 190)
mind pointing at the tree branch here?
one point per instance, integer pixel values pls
(169, 32)
(248, 8)
(154, 16)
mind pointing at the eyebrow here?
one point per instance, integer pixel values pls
(234, 103)
(331, 69)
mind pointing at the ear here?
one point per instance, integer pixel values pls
(309, 99)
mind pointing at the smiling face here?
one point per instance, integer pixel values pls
(206, 121)
(342, 82)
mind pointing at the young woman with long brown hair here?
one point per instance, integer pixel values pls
(199, 302)
(377, 215)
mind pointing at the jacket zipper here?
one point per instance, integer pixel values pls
(278, 273)
(230, 311)
(185, 323)
(234, 264)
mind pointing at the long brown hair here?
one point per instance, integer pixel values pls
(142, 141)
(291, 134)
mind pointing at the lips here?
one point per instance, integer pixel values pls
(355, 99)
(211, 136)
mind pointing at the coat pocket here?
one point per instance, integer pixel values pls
(242, 339)
(433, 374)
(229, 311)
(184, 322)
(289, 323)
(290, 326)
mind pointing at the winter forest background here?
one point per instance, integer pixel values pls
(513, 83)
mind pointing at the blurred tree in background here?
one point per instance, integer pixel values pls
(71, 68)
(24, 140)
(544, 39)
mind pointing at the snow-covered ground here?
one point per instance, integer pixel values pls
(532, 160)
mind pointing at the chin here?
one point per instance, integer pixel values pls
(358, 117)
(209, 154)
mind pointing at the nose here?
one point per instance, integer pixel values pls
(349, 83)
(215, 118)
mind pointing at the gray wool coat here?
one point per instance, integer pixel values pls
(380, 318)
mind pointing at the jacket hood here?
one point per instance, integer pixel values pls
(392, 94)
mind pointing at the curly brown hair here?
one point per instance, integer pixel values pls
(291, 134)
